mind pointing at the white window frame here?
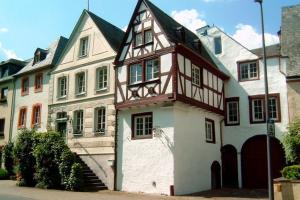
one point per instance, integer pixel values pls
(102, 122)
(77, 75)
(154, 69)
(254, 119)
(141, 39)
(82, 53)
(276, 107)
(209, 131)
(135, 75)
(249, 72)
(196, 75)
(145, 36)
(228, 121)
(104, 81)
(75, 123)
(143, 135)
(59, 88)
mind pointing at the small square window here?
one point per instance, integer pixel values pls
(210, 130)
(83, 48)
(248, 71)
(142, 126)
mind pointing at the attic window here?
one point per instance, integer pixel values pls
(39, 56)
(181, 33)
(83, 48)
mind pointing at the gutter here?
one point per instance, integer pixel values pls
(12, 111)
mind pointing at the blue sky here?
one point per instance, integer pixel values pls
(28, 24)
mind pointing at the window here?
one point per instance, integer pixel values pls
(136, 73)
(4, 72)
(100, 120)
(83, 48)
(148, 36)
(39, 56)
(101, 78)
(138, 39)
(210, 130)
(257, 108)
(196, 75)
(80, 83)
(2, 125)
(4, 92)
(232, 111)
(22, 117)
(25, 86)
(152, 69)
(36, 116)
(142, 125)
(62, 87)
(38, 83)
(218, 45)
(248, 71)
(61, 116)
(78, 122)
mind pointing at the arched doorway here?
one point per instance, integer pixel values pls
(229, 166)
(254, 161)
(215, 175)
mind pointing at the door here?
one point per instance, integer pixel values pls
(229, 166)
(215, 175)
(62, 129)
(254, 161)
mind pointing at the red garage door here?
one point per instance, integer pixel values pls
(254, 161)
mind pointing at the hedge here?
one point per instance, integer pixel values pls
(291, 172)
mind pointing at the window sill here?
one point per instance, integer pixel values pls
(143, 45)
(80, 94)
(142, 138)
(232, 124)
(62, 97)
(21, 127)
(211, 141)
(157, 80)
(99, 133)
(246, 80)
(78, 134)
(82, 57)
(101, 90)
(38, 90)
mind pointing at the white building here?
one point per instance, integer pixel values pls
(30, 107)
(243, 144)
(170, 105)
(82, 93)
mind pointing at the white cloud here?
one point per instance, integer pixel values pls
(8, 53)
(189, 18)
(248, 36)
(3, 30)
(125, 28)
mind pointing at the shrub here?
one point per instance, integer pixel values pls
(65, 166)
(3, 174)
(25, 160)
(75, 181)
(47, 152)
(291, 172)
(291, 142)
(8, 158)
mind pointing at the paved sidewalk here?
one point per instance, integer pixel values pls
(9, 191)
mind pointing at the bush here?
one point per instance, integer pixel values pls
(291, 172)
(3, 174)
(65, 166)
(291, 143)
(47, 152)
(25, 160)
(75, 181)
(8, 158)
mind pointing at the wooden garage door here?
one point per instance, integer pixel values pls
(254, 161)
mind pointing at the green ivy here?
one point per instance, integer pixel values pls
(8, 158)
(291, 172)
(75, 181)
(291, 142)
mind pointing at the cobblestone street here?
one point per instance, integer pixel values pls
(9, 191)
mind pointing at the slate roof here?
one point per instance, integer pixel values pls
(13, 61)
(53, 53)
(169, 26)
(112, 34)
(272, 50)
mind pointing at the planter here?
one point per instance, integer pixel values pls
(286, 189)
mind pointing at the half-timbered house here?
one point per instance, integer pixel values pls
(170, 103)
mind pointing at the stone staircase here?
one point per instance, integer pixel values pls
(91, 180)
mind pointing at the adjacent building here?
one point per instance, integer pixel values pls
(290, 42)
(30, 108)
(170, 104)
(7, 86)
(243, 149)
(81, 95)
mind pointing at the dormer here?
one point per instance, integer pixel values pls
(39, 55)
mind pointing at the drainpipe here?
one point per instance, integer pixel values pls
(116, 151)
(12, 110)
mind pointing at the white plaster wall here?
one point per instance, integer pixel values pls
(31, 99)
(142, 162)
(193, 156)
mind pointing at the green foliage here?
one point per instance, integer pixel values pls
(291, 142)
(291, 172)
(0, 157)
(9, 158)
(65, 166)
(24, 157)
(75, 181)
(3, 174)
(47, 152)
